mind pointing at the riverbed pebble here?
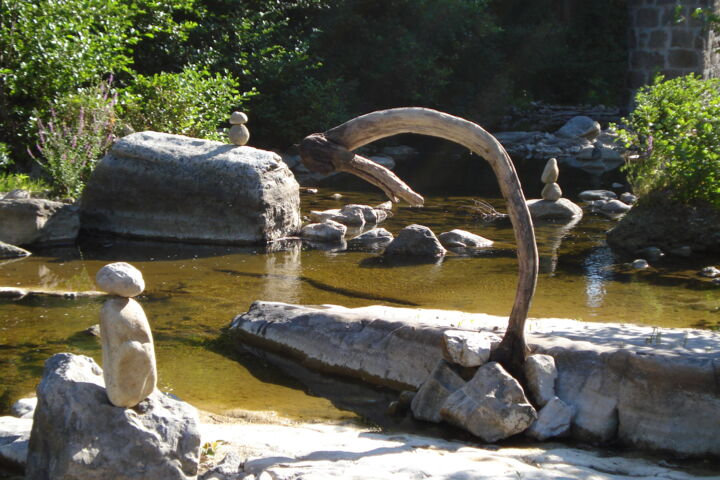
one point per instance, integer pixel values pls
(121, 279)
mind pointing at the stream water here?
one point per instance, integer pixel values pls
(193, 291)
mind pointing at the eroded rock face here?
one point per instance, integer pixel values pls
(30, 221)
(491, 405)
(121, 279)
(171, 187)
(416, 240)
(77, 434)
(128, 352)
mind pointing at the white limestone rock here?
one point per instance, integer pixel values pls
(127, 351)
(554, 420)
(492, 405)
(541, 373)
(431, 396)
(120, 279)
(469, 349)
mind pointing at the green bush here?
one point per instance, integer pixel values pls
(674, 132)
(193, 103)
(75, 135)
(13, 181)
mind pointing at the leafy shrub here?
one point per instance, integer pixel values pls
(5, 160)
(13, 181)
(77, 134)
(675, 131)
(193, 102)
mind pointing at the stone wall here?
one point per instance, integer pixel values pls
(669, 41)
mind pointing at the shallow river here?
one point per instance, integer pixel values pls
(193, 291)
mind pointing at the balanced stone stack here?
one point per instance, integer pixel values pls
(552, 206)
(127, 345)
(238, 133)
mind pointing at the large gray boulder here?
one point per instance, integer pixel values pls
(38, 222)
(492, 405)
(562, 209)
(171, 187)
(78, 434)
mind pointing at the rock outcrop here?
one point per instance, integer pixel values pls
(171, 187)
(77, 434)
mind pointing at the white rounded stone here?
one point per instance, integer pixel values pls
(551, 172)
(239, 135)
(551, 192)
(128, 354)
(238, 118)
(120, 279)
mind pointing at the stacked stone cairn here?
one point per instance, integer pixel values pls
(128, 354)
(238, 133)
(467, 390)
(94, 423)
(552, 206)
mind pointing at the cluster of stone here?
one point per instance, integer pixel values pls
(238, 133)
(551, 191)
(491, 405)
(127, 345)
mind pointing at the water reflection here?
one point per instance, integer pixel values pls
(284, 273)
(549, 236)
(598, 272)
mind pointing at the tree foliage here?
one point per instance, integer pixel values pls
(675, 132)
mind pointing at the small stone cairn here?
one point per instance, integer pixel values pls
(128, 354)
(238, 133)
(551, 191)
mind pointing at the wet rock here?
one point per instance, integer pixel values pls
(11, 251)
(327, 231)
(653, 254)
(551, 172)
(77, 433)
(24, 408)
(458, 238)
(710, 272)
(38, 222)
(541, 373)
(351, 215)
(415, 240)
(554, 420)
(431, 396)
(562, 209)
(615, 206)
(628, 198)
(468, 349)
(491, 405)
(376, 238)
(639, 264)
(590, 195)
(121, 279)
(551, 192)
(188, 189)
(580, 126)
(128, 353)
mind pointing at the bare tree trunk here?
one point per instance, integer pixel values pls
(331, 151)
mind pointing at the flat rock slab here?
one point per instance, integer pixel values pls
(171, 187)
(661, 396)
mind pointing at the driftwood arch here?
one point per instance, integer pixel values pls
(332, 151)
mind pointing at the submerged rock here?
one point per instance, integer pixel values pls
(492, 405)
(171, 187)
(416, 240)
(78, 434)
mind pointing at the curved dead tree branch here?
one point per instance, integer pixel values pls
(332, 151)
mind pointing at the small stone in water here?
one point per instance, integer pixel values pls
(710, 272)
(336, 196)
(640, 264)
